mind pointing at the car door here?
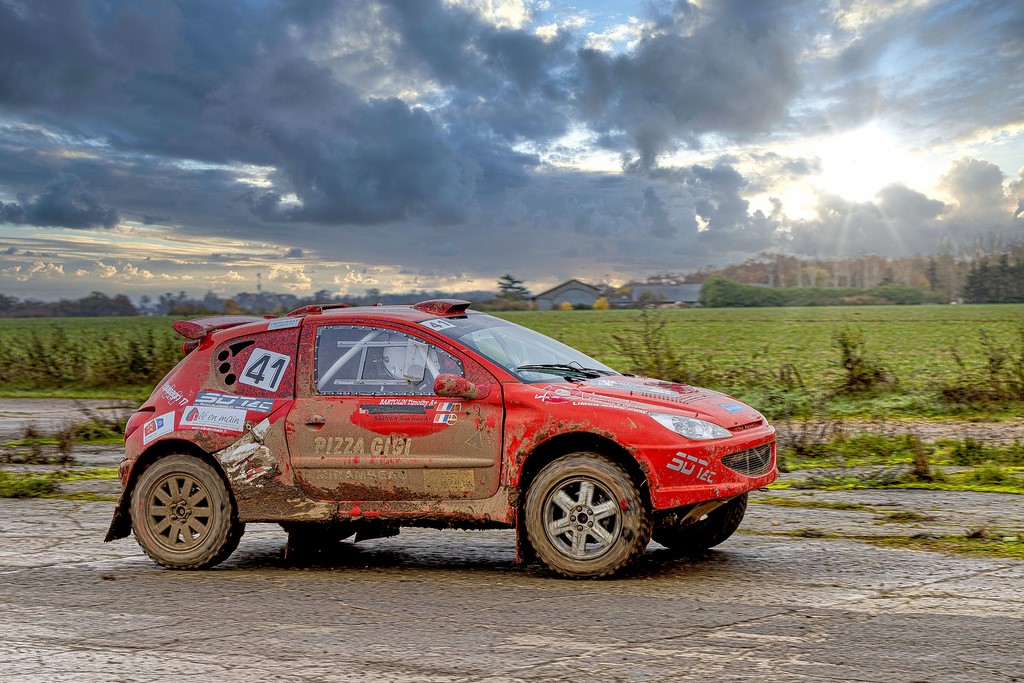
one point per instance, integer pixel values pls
(366, 424)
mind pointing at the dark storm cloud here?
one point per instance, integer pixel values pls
(730, 68)
(62, 203)
(656, 215)
(507, 79)
(388, 163)
(228, 83)
(409, 127)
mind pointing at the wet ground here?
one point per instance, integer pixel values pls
(452, 606)
(795, 596)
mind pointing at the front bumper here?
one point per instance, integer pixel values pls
(696, 472)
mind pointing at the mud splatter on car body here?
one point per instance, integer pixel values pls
(429, 415)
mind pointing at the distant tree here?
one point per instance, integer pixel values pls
(565, 306)
(602, 304)
(512, 295)
(1001, 282)
(512, 288)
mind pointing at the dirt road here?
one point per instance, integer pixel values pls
(452, 606)
(797, 595)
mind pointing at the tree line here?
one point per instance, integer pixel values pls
(767, 280)
(92, 305)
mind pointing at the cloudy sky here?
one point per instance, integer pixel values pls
(151, 146)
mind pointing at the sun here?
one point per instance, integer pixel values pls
(857, 164)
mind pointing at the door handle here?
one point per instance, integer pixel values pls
(315, 421)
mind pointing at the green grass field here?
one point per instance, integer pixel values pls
(740, 351)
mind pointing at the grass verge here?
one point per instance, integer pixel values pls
(32, 485)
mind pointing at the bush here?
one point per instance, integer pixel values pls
(721, 292)
(990, 472)
(997, 378)
(861, 373)
(649, 348)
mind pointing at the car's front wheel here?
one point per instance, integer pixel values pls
(183, 515)
(706, 532)
(585, 516)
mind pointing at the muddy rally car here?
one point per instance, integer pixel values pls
(338, 421)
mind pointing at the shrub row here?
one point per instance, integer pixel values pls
(721, 292)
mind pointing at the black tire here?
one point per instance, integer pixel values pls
(707, 532)
(183, 515)
(585, 516)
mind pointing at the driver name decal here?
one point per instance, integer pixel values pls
(426, 411)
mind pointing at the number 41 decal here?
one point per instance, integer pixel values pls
(264, 369)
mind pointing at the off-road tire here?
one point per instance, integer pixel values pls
(712, 529)
(183, 515)
(586, 535)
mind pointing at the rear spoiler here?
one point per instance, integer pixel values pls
(200, 327)
(195, 330)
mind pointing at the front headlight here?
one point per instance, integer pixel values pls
(691, 427)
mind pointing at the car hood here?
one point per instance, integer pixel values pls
(643, 393)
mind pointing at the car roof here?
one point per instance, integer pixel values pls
(234, 325)
(424, 310)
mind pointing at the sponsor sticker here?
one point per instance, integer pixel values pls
(172, 395)
(224, 419)
(734, 407)
(212, 399)
(347, 445)
(264, 370)
(631, 386)
(686, 464)
(559, 394)
(283, 323)
(157, 427)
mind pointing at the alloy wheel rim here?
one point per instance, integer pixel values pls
(179, 512)
(582, 519)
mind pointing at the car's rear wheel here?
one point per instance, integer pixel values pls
(183, 515)
(585, 516)
(706, 532)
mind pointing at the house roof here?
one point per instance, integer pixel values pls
(567, 285)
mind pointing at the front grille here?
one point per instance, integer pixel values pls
(752, 462)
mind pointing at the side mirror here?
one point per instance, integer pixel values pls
(454, 386)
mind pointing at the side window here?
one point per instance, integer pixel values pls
(354, 359)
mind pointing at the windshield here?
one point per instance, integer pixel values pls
(512, 347)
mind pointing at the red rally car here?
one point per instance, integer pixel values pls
(336, 421)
